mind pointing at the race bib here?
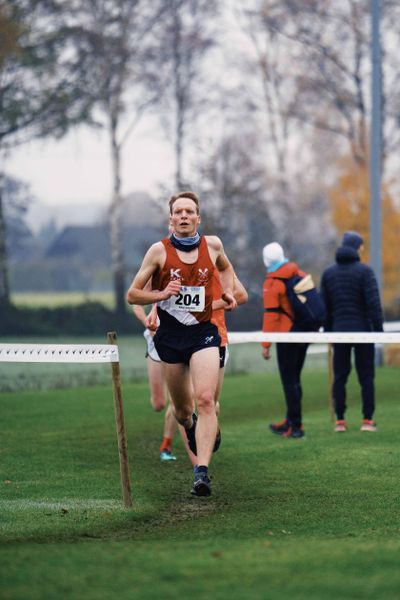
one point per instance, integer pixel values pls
(191, 298)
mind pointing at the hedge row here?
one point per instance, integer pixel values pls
(89, 318)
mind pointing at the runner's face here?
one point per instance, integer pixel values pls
(184, 218)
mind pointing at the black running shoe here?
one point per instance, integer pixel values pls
(201, 485)
(294, 432)
(191, 435)
(281, 427)
(217, 442)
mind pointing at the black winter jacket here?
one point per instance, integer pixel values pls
(351, 295)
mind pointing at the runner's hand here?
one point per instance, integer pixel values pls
(266, 354)
(172, 289)
(231, 303)
(152, 322)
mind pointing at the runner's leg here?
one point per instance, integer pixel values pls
(204, 370)
(170, 423)
(158, 396)
(177, 376)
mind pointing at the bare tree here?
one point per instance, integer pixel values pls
(312, 62)
(270, 62)
(332, 80)
(186, 38)
(326, 66)
(117, 44)
(40, 93)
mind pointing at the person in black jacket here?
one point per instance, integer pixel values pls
(350, 291)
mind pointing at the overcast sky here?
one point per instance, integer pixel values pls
(77, 169)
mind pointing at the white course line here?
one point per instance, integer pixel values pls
(59, 505)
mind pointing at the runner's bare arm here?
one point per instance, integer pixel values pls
(153, 260)
(225, 269)
(239, 293)
(138, 309)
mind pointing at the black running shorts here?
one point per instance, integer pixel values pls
(178, 344)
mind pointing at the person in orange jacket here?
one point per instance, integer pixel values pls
(278, 317)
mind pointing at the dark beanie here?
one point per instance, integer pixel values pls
(352, 239)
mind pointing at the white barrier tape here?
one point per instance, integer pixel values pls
(391, 326)
(315, 337)
(59, 353)
(97, 353)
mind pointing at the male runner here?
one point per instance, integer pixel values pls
(182, 271)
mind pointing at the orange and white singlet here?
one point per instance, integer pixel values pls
(193, 305)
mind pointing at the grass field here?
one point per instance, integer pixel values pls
(303, 519)
(54, 299)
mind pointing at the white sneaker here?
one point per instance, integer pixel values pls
(341, 425)
(368, 425)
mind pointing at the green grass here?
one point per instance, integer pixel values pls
(304, 519)
(55, 299)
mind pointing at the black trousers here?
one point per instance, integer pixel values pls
(291, 359)
(364, 355)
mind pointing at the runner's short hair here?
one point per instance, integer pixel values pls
(190, 195)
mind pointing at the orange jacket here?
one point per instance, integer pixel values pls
(275, 298)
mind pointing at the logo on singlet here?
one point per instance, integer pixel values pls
(203, 275)
(175, 274)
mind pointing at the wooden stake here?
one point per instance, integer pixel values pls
(119, 421)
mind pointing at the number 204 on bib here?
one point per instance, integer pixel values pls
(190, 298)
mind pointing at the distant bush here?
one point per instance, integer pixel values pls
(89, 318)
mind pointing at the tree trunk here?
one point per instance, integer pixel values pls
(4, 282)
(179, 93)
(116, 231)
(179, 150)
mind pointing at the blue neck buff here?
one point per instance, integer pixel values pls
(275, 266)
(185, 244)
